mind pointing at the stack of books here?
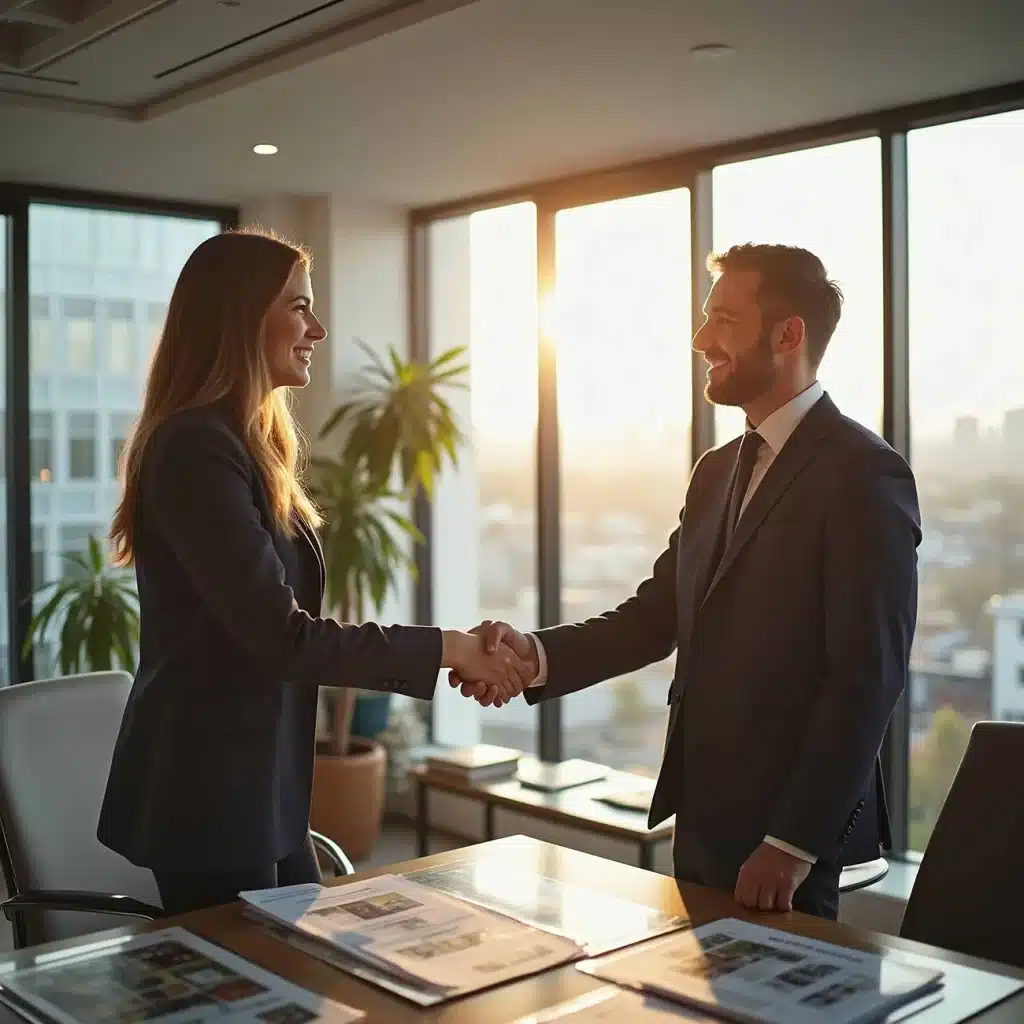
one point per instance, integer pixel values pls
(482, 762)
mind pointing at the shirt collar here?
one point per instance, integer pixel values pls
(776, 429)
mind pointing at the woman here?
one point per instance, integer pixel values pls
(211, 775)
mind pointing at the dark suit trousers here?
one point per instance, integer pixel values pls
(181, 892)
(694, 862)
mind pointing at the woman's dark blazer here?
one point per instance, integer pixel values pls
(213, 765)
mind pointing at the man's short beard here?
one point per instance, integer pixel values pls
(750, 376)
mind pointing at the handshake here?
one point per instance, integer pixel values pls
(492, 663)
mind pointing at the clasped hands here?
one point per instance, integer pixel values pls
(492, 663)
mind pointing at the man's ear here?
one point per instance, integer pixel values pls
(789, 335)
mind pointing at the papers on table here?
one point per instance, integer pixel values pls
(419, 936)
(595, 920)
(168, 976)
(747, 972)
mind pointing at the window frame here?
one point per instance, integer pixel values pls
(15, 200)
(693, 169)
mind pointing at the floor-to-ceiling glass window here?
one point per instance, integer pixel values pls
(99, 284)
(482, 294)
(620, 321)
(828, 200)
(966, 222)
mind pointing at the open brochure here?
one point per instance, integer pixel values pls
(416, 934)
(747, 972)
(598, 921)
(169, 976)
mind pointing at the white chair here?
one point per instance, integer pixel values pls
(56, 741)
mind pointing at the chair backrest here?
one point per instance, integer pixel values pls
(56, 741)
(967, 896)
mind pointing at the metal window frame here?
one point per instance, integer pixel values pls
(693, 169)
(15, 200)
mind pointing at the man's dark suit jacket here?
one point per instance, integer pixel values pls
(213, 766)
(790, 657)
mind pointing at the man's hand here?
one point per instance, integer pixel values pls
(496, 672)
(769, 878)
(495, 635)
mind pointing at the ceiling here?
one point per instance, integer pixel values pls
(423, 101)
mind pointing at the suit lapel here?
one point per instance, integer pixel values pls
(697, 550)
(314, 542)
(794, 457)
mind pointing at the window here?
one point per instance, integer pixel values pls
(967, 419)
(621, 327)
(1020, 631)
(120, 427)
(483, 294)
(80, 323)
(39, 575)
(1020, 675)
(82, 446)
(121, 338)
(828, 200)
(74, 540)
(40, 447)
(40, 335)
(156, 314)
(98, 275)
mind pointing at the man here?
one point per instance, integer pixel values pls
(789, 593)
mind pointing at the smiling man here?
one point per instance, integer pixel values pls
(789, 592)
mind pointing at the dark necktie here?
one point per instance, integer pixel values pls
(745, 459)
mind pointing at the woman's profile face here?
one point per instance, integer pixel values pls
(291, 331)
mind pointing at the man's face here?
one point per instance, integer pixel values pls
(735, 341)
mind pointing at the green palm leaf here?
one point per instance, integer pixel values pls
(92, 614)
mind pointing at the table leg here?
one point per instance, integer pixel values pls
(422, 830)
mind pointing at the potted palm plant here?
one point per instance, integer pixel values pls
(94, 612)
(398, 430)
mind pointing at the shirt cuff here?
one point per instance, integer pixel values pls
(794, 850)
(542, 661)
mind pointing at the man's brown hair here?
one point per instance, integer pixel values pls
(793, 283)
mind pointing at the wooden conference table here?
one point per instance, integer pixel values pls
(228, 927)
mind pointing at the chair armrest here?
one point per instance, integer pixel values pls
(79, 901)
(334, 853)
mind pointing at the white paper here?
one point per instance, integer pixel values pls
(617, 1006)
(170, 976)
(419, 932)
(748, 972)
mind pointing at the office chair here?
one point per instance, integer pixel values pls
(967, 896)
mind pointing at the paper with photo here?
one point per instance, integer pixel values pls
(169, 976)
(614, 1006)
(749, 972)
(598, 921)
(421, 933)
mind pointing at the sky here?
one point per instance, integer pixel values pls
(620, 313)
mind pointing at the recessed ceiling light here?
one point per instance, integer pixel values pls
(264, 149)
(711, 51)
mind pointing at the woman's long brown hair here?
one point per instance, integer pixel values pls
(212, 348)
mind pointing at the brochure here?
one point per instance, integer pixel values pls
(170, 976)
(748, 972)
(417, 934)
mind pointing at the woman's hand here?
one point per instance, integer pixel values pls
(503, 672)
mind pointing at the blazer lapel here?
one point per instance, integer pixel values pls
(794, 457)
(314, 542)
(697, 551)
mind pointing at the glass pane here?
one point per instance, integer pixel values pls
(93, 282)
(967, 419)
(5, 590)
(483, 294)
(621, 321)
(828, 200)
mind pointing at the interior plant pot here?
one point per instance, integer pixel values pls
(348, 796)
